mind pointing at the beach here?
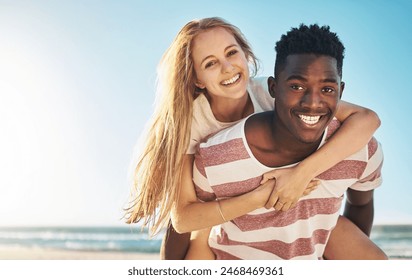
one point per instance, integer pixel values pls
(15, 253)
(123, 243)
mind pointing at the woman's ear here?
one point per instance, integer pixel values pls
(200, 85)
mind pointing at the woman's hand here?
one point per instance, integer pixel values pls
(291, 185)
(262, 193)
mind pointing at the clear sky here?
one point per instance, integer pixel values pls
(77, 87)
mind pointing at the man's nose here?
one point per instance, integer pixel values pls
(312, 99)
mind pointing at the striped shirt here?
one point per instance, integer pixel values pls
(204, 122)
(225, 167)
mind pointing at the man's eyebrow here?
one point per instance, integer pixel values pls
(303, 79)
(330, 80)
(296, 77)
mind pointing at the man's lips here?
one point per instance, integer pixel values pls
(310, 120)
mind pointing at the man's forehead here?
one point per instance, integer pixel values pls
(306, 64)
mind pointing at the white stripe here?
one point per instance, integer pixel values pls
(250, 253)
(367, 186)
(326, 189)
(372, 166)
(287, 234)
(200, 180)
(361, 155)
(330, 188)
(233, 172)
(245, 252)
(224, 135)
(373, 162)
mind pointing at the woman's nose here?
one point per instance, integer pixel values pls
(227, 66)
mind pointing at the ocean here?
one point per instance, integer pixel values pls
(395, 240)
(114, 239)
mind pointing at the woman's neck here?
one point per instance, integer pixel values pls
(231, 110)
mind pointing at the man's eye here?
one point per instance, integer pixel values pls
(328, 90)
(296, 87)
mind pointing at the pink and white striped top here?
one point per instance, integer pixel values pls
(225, 167)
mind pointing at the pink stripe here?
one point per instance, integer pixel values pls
(199, 165)
(236, 188)
(332, 128)
(302, 211)
(221, 255)
(204, 195)
(372, 147)
(286, 251)
(229, 151)
(373, 176)
(346, 169)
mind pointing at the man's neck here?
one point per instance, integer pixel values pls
(272, 144)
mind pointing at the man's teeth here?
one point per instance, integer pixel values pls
(231, 81)
(309, 119)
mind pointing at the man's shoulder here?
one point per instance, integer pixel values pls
(224, 135)
(226, 145)
(365, 153)
(358, 165)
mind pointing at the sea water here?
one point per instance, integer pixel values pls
(395, 240)
(120, 239)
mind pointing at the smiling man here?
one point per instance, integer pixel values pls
(307, 88)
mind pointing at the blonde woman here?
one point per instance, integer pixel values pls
(203, 87)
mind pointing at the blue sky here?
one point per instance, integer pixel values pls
(77, 87)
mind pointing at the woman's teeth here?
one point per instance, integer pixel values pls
(309, 119)
(232, 80)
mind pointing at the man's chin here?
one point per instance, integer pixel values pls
(311, 139)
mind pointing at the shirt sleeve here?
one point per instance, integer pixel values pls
(372, 176)
(259, 91)
(194, 139)
(204, 192)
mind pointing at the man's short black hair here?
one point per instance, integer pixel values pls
(311, 39)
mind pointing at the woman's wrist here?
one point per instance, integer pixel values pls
(307, 169)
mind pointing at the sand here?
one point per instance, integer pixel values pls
(11, 253)
(17, 253)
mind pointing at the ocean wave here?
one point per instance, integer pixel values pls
(82, 239)
(396, 241)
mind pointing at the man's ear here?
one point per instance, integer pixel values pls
(342, 87)
(271, 86)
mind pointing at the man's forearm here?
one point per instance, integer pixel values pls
(361, 215)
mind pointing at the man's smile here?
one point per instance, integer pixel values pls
(310, 120)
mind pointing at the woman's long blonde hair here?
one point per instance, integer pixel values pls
(158, 171)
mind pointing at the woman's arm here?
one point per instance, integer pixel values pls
(189, 214)
(358, 126)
